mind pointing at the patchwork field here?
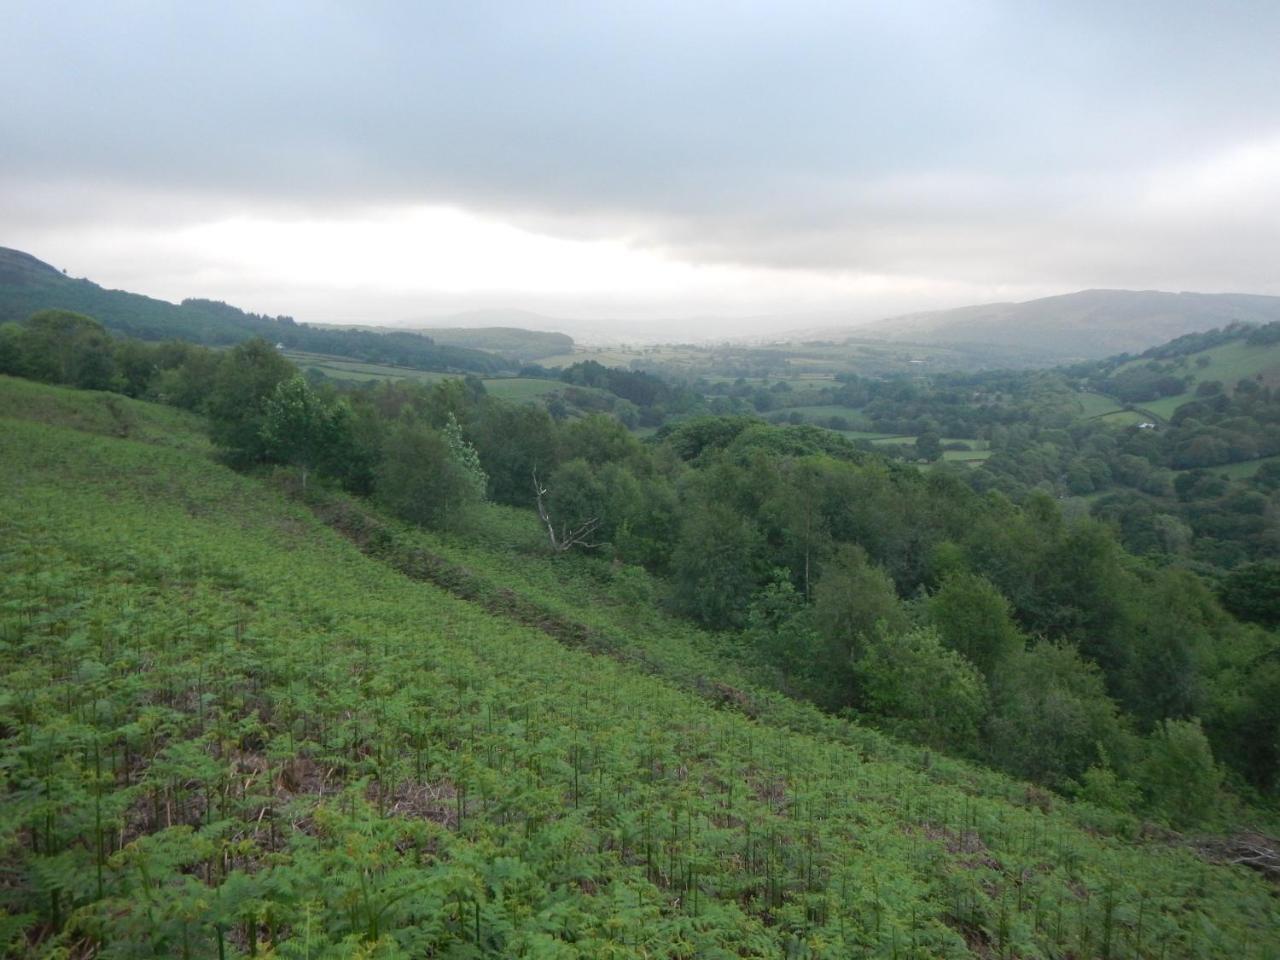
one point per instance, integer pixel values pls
(1227, 364)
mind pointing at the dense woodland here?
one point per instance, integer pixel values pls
(1159, 486)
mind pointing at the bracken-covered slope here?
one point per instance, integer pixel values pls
(225, 732)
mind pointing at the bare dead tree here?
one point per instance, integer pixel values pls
(1255, 850)
(569, 536)
(1260, 852)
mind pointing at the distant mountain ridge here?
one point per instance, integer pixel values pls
(1088, 325)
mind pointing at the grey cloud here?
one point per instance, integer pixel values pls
(996, 141)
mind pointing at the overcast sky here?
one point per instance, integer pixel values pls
(389, 161)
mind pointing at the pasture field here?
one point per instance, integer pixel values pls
(1238, 471)
(1228, 364)
(356, 370)
(1125, 418)
(1165, 407)
(965, 456)
(520, 389)
(622, 356)
(227, 732)
(1092, 405)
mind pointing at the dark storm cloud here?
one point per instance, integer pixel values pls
(1038, 142)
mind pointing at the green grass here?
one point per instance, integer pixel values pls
(224, 731)
(980, 449)
(1091, 404)
(105, 414)
(1228, 364)
(1124, 418)
(356, 370)
(1237, 471)
(1165, 407)
(965, 456)
(520, 389)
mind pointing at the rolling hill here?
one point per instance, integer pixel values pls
(28, 284)
(516, 343)
(1088, 325)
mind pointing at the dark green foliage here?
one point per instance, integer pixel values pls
(599, 439)
(642, 389)
(1140, 384)
(1252, 592)
(60, 346)
(1050, 714)
(1173, 647)
(929, 446)
(854, 601)
(514, 441)
(931, 694)
(973, 618)
(799, 441)
(11, 363)
(421, 480)
(306, 429)
(1085, 595)
(1179, 773)
(780, 625)
(691, 438)
(185, 375)
(717, 566)
(246, 379)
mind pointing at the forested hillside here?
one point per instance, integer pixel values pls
(28, 285)
(1176, 447)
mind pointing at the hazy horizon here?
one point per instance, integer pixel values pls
(738, 165)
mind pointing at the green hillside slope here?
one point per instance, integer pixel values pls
(226, 732)
(1226, 364)
(28, 285)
